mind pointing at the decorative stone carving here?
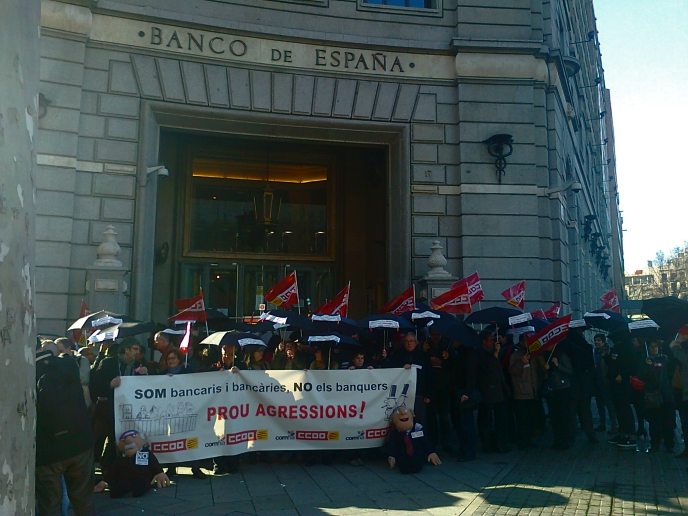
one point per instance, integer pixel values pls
(109, 249)
(437, 262)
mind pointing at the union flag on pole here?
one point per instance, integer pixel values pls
(339, 305)
(191, 309)
(184, 344)
(455, 300)
(516, 295)
(549, 336)
(285, 293)
(539, 314)
(553, 311)
(610, 301)
(404, 302)
(475, 289)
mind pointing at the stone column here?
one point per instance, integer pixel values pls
(437, 280)
(19, 62)
(105, 279)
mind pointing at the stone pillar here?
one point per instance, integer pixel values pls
(19, 62)
(105, 279)
(437, 280)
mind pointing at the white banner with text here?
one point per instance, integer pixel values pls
(200, 415)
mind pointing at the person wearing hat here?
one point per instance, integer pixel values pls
(679, 350)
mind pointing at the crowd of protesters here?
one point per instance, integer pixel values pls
(470, 400)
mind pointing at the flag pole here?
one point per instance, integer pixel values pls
(298, 299)
(207, 331)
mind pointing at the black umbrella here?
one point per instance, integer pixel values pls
(498, 315)
(669, 312)
(385, 322)
(333, 323)
(606, 320)
(456, 331)
(644, 329)
(422, 316)
(287, 319)
(333, 339)
(122, 330)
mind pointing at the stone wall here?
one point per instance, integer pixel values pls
(19, 25)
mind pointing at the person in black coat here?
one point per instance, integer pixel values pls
(583, 362)
(463, 364)
(494, 392)
(410, 355)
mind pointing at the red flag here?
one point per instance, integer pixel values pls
(404, 302)
(610, 301)
(78, 334)
(549, 336)
(516, 295)
(553, 311)
(539, 313)
(190, 309)
(475, 289)
(285, 293)
(339, 305)
(455, 300)
(184, 344)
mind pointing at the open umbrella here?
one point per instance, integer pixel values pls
(421, 317)
(606, 320)
(669, 312)
(122, 330)
(101, 318)
(328, 341)
(493, 315)
(333, 323)
(385, 322)
(236, 338)
(287, 319)
(644, 329)
(456, 331)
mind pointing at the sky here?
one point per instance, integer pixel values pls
(644, 46)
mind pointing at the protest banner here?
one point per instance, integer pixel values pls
(201, 415)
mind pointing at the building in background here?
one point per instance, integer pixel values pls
(230, 142)
(664, 276)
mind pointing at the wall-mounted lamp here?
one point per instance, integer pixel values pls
(590, 37)
(574, 186)
(500, 146)
(161, 170)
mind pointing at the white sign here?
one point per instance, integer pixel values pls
(520, 318)
(200, 415)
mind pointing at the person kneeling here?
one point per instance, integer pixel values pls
(407, 447)
(134, 470)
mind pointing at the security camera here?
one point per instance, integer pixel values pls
(576, 187)
(161, 170)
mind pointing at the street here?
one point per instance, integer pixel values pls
(587, 479)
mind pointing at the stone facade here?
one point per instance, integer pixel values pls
(113, 74)
(18, 120)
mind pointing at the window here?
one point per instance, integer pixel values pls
(419, 4)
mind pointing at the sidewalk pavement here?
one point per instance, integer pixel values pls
(587, 479)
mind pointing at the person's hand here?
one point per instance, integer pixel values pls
(234, 369)
(141, 370)
(555, 362)
(161, 480)
(116, 382)
(100, 487)
(546, 366)
(618, 378)
(104, 346)
(434, 459)
(351, 367)
(426, 400)
(370, 367)
(384, 352)
(648, 361)
(407, 366)
(445, 354)
(392, 462)
(525, 358)
(464, 397)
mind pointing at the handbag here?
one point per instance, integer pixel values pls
(653, 399)
(637, 384)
